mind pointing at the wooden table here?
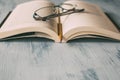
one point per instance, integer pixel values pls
(42, 59)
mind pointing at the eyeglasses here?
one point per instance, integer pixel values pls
(48, 12)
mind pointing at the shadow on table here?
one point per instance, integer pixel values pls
(37, 39)
(93, 40)
(28, 39)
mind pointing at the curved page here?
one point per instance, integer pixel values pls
(21, 20)
(93, 18)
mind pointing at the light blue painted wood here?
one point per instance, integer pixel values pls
(42, 59)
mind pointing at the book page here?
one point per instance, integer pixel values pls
(92, 17)
(22, 18)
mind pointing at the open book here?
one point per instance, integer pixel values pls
(92, 22)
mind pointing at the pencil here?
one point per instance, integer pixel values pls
(59, 28)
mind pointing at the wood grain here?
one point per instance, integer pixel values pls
(42, 59)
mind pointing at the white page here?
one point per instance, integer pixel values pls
(91, 17)
(22, 16)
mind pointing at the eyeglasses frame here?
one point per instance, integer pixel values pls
(68, 11)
